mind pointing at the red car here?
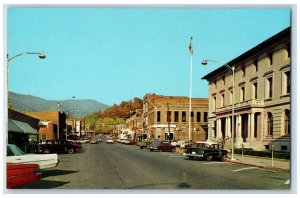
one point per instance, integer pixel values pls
(21, 174)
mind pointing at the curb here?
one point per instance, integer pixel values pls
(260, 166)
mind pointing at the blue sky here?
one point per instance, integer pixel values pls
(116, 54)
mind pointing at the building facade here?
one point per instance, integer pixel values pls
(52, 124)
(167, 117)
(134, 125)
(261, 97)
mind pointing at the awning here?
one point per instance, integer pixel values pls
(21, 127)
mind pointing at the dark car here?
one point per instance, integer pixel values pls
(159, 145)
(205, 151)
(57, 146)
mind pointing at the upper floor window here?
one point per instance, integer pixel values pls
(158, 116)
(255, 65)
(254, 90)
(286, 83)
(269, 87)
(242, 94)
(176, 116)
(169, 116)
(198, 117)
(243, 70)
(205, 117)
(270, 56)
(192, 116)
(222, 99)
(183, 116)
(214, 102)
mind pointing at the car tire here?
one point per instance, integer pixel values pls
(151, 149)
(70, 151)
(191, 158)
(46, 151)
(141, 147)
(223, 158)
(208, 158)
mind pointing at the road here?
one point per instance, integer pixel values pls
(118, 166)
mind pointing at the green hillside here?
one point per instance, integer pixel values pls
(75, 108)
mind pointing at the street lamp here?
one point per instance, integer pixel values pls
(231, 69)
(41, 55)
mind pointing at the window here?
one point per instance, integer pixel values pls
(243, 71)
(269, 87)
(176, 116)
(192, 116)
(270, 124)
(183, 116)
(214, 102)
(270, 56)
(242, 94)
(198, 117)
(222, 99)
(286, 83)
(254, 90)
(158, 116)
(284, 148)
(205, 116)
(169, 116)
(256, 65)
(287, 123)
(44, 137)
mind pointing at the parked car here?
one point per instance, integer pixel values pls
(21, 174)
(159, 145)
(144, 144)
(78, 144)
(109, 141)
(57, 146)
(205, 151)
(182, 144)
(16, 155)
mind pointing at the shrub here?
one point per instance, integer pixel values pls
(276, 154)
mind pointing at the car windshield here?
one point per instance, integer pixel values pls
(13, 150)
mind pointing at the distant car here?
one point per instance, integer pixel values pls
(205, 151)
(94, 141)
(57, 146)
(144, 144)
(21, 174)
(159, 145)
(82, 141)
(99, 140)
(16, 155)
(109, 141)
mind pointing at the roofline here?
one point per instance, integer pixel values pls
(274, 39)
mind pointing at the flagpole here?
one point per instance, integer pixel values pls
(191, 79)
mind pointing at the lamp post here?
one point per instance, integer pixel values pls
(231, 69)
(8, 59)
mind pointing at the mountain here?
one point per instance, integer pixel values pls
(75, 108)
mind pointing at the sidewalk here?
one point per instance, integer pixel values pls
(261, 162)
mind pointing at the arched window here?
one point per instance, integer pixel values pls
(287, 122)
(270, 124)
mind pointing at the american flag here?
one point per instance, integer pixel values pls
(191, 47)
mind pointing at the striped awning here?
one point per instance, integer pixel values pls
(21, 127)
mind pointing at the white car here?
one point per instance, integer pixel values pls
(109, 141)
(16, 155)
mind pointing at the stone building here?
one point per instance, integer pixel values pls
(167, 117)
(261, 97)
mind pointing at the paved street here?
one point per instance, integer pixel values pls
(118, 166)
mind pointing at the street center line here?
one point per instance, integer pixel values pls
(244, 169)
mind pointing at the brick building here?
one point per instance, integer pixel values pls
(168, 117)
(134, 124)
(261, 99)
(49, 120)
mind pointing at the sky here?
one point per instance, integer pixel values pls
(115, 54)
